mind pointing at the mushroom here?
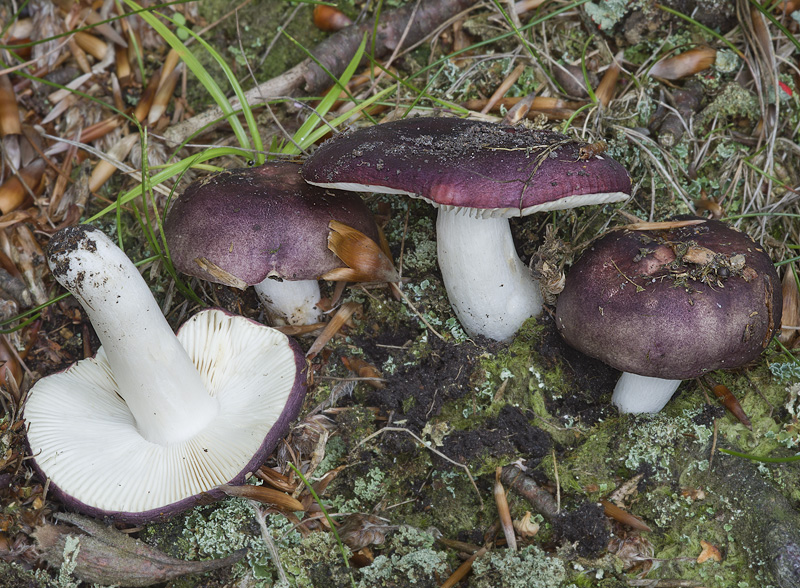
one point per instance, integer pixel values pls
(155, 422)
(265, 226)
(478, 174)
(669, 304)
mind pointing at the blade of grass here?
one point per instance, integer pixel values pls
(208, 82)
(336, 81)
(327, 518)
(769, 16)
(589, 89)
(301, 136)
(702, 27)
(317, 134)
(168, 172)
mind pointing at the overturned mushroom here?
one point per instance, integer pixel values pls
(155, 422)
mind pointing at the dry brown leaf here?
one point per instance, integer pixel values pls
(359, 530)
(710, 552)
(684, 65)
(364, 369)
(365, 260)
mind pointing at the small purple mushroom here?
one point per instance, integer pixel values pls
(155, 422)
(264, 226)
(478, 174)
(667, 305)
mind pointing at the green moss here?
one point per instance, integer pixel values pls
(591, 465)
(12, 574)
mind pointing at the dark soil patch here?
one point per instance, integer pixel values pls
(508, 433)
(586, 527)
(415, 393)
(593, 381)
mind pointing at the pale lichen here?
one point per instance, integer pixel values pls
(411, 560)
(529, 567)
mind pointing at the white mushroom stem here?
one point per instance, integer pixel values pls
(490, 289)
(290, 302)
(637, 394)
(155, 376)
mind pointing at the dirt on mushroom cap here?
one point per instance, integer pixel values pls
(671, 304)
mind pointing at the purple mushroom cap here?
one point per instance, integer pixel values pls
(258, 222)
(453, 162)
(674, 303)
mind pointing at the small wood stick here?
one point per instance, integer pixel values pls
(462, 570)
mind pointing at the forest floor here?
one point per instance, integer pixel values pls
(410, 427)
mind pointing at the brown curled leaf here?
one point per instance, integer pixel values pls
(263, 494)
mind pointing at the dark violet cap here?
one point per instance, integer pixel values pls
(258, 222)
(671, 304)
(499, 169)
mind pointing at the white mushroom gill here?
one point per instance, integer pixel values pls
(94, 430)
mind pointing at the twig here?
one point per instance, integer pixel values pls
(405, 298)
(541, 500)
(273, 551)
(334, 53)
(436, 451)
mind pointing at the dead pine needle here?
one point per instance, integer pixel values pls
(623, 516)
(342, 315)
